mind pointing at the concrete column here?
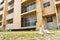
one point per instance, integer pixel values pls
(17, 14)
(39, 15)
(4, 14)
(56, 13)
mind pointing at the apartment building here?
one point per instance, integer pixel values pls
(29, 14)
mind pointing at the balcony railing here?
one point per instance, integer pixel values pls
(1, 5)
(9, 26)
(10, 6)
(9, 0)
(9, 16)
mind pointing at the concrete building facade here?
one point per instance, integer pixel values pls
(29, 14)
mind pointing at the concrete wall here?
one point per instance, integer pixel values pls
(17, 14)
(41, 13)
(50, 9)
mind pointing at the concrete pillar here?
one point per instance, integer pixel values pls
(55, 6)
(4, 14)
(39, 15)
(17, 14)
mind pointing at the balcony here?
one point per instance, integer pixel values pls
(29, 8)
(23, 1)
(1, 5)
(29, 22)
(1, 12)
(9, 16)
(10, 6)
(29, 12)
(57, 1)
(9, 26)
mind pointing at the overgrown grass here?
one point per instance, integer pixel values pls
(26, 34)
(55, 31)
(22, 34)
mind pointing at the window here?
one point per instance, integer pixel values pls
(29, 21)
(46, 4)
(29, 7)
(49, 19)
(32, 6)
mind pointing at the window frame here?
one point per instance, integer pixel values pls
(47, 4)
